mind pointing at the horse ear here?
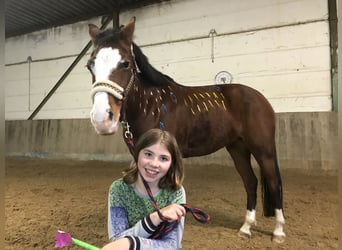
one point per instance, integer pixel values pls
(93, 32)
(128, 30)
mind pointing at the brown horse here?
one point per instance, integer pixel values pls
(204, 119)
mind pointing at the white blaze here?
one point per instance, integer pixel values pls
(105, 62)
(101, 105)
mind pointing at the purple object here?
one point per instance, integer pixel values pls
(62, 239)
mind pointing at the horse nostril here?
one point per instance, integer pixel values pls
(110, 113)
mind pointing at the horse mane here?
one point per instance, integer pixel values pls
(150, 74)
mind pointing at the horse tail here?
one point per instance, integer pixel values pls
(268, 203)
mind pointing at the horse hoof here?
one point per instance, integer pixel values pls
(278, 239)
(244, 235)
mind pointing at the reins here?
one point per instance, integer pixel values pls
(166, 226)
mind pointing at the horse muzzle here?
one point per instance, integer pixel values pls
(105, 119)
(104, 125)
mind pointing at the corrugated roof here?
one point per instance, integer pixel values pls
(26, 16)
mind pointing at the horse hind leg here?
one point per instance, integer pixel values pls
(272, 194)
(242, 160)
(278, 233)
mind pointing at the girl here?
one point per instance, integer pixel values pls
(133, 220)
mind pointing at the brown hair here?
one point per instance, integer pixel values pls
(175, 175)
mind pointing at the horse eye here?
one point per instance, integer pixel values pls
(124, 64)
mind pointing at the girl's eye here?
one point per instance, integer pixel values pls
(147, 154)
(164, 158)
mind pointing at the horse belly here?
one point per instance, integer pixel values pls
(205, 136)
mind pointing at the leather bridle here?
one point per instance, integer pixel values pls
(119, 93)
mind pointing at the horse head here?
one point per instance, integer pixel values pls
(113, 68)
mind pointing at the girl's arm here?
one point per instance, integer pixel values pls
(139, 234)
(118, 224)
(128, 239)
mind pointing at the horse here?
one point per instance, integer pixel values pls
(128, 90)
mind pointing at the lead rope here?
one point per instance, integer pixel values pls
(128, 135)
(165, 227)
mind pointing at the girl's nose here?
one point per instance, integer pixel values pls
(154, 162)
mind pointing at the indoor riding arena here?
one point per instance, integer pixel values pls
(59, 167)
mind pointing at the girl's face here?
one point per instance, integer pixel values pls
(154, 162)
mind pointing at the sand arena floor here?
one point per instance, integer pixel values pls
(43, 196)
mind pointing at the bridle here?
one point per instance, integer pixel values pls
(113, 88)
(119, 93)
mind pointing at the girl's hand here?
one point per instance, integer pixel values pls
(172, 212)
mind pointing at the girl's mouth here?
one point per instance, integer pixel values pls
(151, 172)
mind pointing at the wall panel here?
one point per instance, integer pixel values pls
(279, 47)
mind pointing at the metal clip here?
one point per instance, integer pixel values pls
(128, 134)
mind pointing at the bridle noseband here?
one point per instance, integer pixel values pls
(107, 86)
(112, 87)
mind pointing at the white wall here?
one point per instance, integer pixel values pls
(279, 47)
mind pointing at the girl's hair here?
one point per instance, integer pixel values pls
(175, 175)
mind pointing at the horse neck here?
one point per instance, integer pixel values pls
(143, 104)
(143, 90)
(139, 95)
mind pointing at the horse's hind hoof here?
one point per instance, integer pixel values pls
(278, 239)
(244, 235)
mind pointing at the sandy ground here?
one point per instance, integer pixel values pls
(43, 196)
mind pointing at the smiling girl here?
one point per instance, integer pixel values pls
(133, 220)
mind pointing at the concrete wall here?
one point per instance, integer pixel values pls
(304, 140)
(278, 47)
